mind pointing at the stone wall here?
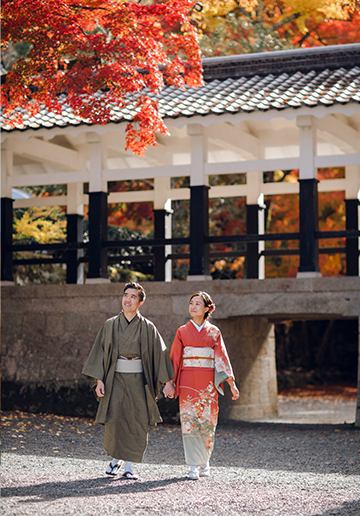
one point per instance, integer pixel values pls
(250, 343)
(48, 331)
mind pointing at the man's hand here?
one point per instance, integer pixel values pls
(169, 391)
(100, 389)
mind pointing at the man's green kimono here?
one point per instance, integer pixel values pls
(129, 404)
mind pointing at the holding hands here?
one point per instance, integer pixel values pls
(169, 390)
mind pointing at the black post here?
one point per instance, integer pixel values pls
(159, 252)
(6, 238)
(74, 269)
(252, 248)
(199, 230)
(97, 235)
(309, 223)
(352, 245)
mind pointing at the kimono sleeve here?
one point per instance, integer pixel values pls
(176, 354)
(94, 367)
(223, 369)
(164, 369)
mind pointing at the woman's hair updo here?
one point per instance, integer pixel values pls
(209, 303)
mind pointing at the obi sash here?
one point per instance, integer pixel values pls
(126, 365)
(198, 357)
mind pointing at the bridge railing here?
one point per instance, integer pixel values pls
(65, 250)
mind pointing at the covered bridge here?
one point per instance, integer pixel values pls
(296, 109)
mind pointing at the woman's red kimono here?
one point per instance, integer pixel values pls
(201, 365)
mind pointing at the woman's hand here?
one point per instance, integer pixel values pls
(100, 389)
(234, 390)
(169, 391)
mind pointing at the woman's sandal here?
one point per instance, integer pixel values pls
(130, 475)
(194, 473)
(204, 471)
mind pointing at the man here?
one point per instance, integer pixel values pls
(129, 362)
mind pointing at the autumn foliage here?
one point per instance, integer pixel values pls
(93, 55)
(244, 26)
(283, 217)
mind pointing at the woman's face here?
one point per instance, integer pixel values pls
(197, 308)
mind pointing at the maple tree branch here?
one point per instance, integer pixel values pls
(285, 21)
(260, 11)
(241, 9)
(76, 7)
(305, 36)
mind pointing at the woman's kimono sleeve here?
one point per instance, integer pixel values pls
(223, 369)
(176, 355)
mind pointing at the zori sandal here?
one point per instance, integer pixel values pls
(130, 475)
(194, 473)
(204, 470)
(113, 470)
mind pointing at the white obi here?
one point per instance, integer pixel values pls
(132, 365)
(198, 357)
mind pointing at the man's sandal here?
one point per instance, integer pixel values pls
(130, 475)
(113, 470)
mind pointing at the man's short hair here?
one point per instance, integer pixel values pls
(138, 287)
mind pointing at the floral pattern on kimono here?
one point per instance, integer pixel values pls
(198, 379)
(199, 415)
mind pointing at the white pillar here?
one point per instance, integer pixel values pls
(6, 171)
(199, 255)
(96, 163)
(168, 234)
(261, 223)
(307, 147)
(198, 154)
(352, 177)
(308, 201)
(162, 202)
(97, 228)
(161, 189)
(254, 196)
(75, 205)
(6, 213)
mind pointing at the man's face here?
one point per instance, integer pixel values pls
(131, 300)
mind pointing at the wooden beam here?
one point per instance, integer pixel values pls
(121, 174)
(46, 152)
(56, 200)
(232, 138)
(58, 178)
(339, 160)
(142, 196)
(339, 133)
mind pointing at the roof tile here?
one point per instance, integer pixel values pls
(326, 79)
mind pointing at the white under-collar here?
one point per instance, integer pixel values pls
(199, 328)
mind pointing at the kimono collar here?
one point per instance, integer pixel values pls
(137, 315)
(199, 328)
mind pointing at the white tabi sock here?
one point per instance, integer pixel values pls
(128, 467)
(115, 462)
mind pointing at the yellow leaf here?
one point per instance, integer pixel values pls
(43, 224)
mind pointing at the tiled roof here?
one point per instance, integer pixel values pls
(247, 83)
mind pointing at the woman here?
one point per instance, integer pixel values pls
(201, 366)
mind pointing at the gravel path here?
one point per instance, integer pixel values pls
(55, 466)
